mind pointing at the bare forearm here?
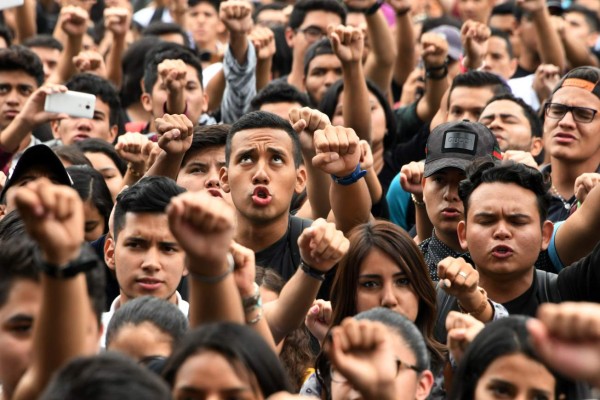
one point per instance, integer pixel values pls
(357, 110)
(238, 44)
(113, 61)
(59, 333)
(287, 313)
(166, 165)
(550, 49)
(317, 189)
(380, 63)
(14, 134)
(65, 68)
(349, 214)
(214, 302)
(423, 224)
(215, 90)
(405, 45)
(375, 189)
(26, 23)
(430, 103)
(263, 72)
(577, 53)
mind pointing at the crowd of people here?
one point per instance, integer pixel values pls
(333, 199)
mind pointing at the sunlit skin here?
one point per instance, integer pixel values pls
(383, 283)
(513, 377)
(281, 108)
(208, 375)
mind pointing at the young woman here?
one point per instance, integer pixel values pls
(224, 359)
(104, 159)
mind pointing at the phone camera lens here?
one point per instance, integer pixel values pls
(87, 107)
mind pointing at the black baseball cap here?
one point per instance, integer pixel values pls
(38, 156)
(457, 144)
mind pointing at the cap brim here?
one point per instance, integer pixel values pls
(43, 156)
(438, 165)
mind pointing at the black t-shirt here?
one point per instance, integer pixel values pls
(521, 72)
(283, 256)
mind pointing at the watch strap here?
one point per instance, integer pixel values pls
(86, 261)
(350, 179)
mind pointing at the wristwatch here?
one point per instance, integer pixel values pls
(86, 261)
(350, 179)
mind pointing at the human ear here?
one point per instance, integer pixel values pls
(461, 229)
(547, 231)
(109, 252)
(224, 178)
(301, 177)
(424, 385)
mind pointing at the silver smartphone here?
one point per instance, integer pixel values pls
(75, 104)
(4, 4)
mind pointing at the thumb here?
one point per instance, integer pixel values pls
(299, 126)
(323, 159)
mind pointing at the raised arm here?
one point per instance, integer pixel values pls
(54, 218)
(117, 21)
(348, 44)
(473, 36)
(263, 40)
(405, 40)
(580, 233)
(411, 180)
(338, 154)
(550, 47)
(239, 63)
(26, 25)
(306, 121)
(73, 24)
(321, 247)
(203, 226)
(134, 148)
(175, 138)
(435, 51)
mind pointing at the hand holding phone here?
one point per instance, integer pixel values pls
(75, 104)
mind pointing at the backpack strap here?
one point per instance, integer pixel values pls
(547, 287)
(297, 226)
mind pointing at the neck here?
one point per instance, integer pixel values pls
(503, 289)
(564, 173)
(137, 113)
(260, 236)
(449, 239)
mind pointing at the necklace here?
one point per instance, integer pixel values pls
(566, 204)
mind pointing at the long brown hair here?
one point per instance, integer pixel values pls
(399, 246)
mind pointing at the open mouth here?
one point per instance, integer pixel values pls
(502, 251)
(261, 196)
(149, 284)
(215, 193)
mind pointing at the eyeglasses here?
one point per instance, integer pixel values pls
(312, 33)
(337, 377)
(580, 114)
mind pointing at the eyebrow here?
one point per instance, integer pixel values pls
(376, 276)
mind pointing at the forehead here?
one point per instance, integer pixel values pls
(496, 43)
(502, 22)
(24, 296)
(470, 96)
(45, 52)
(102, 106)
(100, 160)
(321, 19)
(17, 77)
(503, 107)
(206, 155)
(574, 96)
(329, 61)
(281, 108)
(574, 16)
(499, 197)
(147, 223)
(259, 137)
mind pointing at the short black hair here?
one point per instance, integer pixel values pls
(485, 170)
(105, 376)
(535, 122)
(504, 36)
(239, 345)
(279, 92)
(507, 8)
(44, 41)
(93, 145)
(303, 7)
(99, 87)
(264, 120)
(480, 79)
(6, 35)
(151, 194)
(214, 3)
(168, 51)
(159, 28)
(269, 6)
(91, 186)
(432, 23)
(72, 154)
(20, 58)
(591, 18)
(17, 261)
(318, 48)
(206, 137)
(160, 313)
